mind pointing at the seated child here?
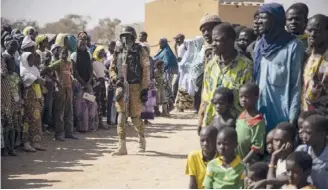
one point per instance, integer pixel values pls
(298, 165)
(314, 132)
(223, 100)
(283, 139)
(197, 160)
(227, 171)
(256, 172)
(250, 125)
(269, 146)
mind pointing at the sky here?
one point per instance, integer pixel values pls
(128, 11)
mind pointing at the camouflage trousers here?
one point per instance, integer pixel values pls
(133, 110)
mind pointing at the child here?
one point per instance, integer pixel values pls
(303, 116)
(298, 165)
(63, 106)
(99, 87)
(227, 171)
(255, 173)
(269, 146)
(314, 132)
(159, 84)
(223, 100)
(197, 160)
(283, 139)
(250, 125)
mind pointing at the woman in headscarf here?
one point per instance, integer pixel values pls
(278, 58)
(30, 31)
(32, 124)
(99, 82)
(170, 68)
(85, 110)
(15, 31)
(11, 113)
(42, 44)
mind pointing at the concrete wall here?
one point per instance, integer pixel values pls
(238, 14)
(167, 18)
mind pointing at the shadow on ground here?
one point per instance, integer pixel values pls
(67, 156)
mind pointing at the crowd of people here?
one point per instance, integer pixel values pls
(263, 115)
(261, 94)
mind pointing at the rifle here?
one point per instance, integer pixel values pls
(125, 74)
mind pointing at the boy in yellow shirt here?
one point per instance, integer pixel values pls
(197, 160)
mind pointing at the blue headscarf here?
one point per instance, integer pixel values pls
(166, 55)
(72, 43)
(275, 39)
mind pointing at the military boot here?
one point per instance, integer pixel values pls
(121, 149)
(142, 144)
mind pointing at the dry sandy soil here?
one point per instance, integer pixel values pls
(87, 163)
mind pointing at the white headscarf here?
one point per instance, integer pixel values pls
(27, 42)
(28, 74)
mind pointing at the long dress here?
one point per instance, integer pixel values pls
(85, 111)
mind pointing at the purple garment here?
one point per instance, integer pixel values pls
(85, 112)
(148, 107)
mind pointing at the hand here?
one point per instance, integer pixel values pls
(257, 184)
(87, 88)
(282, 150)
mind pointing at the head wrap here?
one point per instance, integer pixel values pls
(27, 42)
(28, 74)
(15, 31)
(96, 53)
(166, 54)
(275, 39)
(209, 19)
(72, 43)
(39, 39)
(60, 39)
(27, 30)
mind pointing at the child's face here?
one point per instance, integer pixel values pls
(310, 135)
(269, 142)
(280, 137)
(48, 58)
(225, 145)
(207, 143)
(295, 174)
(247, 98)
(56, 51)
(243, 40)
(220, 103)
(63, 54)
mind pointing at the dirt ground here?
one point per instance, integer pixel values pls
(87, 163)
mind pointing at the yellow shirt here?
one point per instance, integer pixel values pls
(197, 167)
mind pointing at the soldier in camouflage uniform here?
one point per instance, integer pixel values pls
(131, 81)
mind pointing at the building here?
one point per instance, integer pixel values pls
(166, 18)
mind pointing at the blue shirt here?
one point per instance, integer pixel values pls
(279, 80)
(319, 173)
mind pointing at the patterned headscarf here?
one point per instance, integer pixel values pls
(96, 52)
